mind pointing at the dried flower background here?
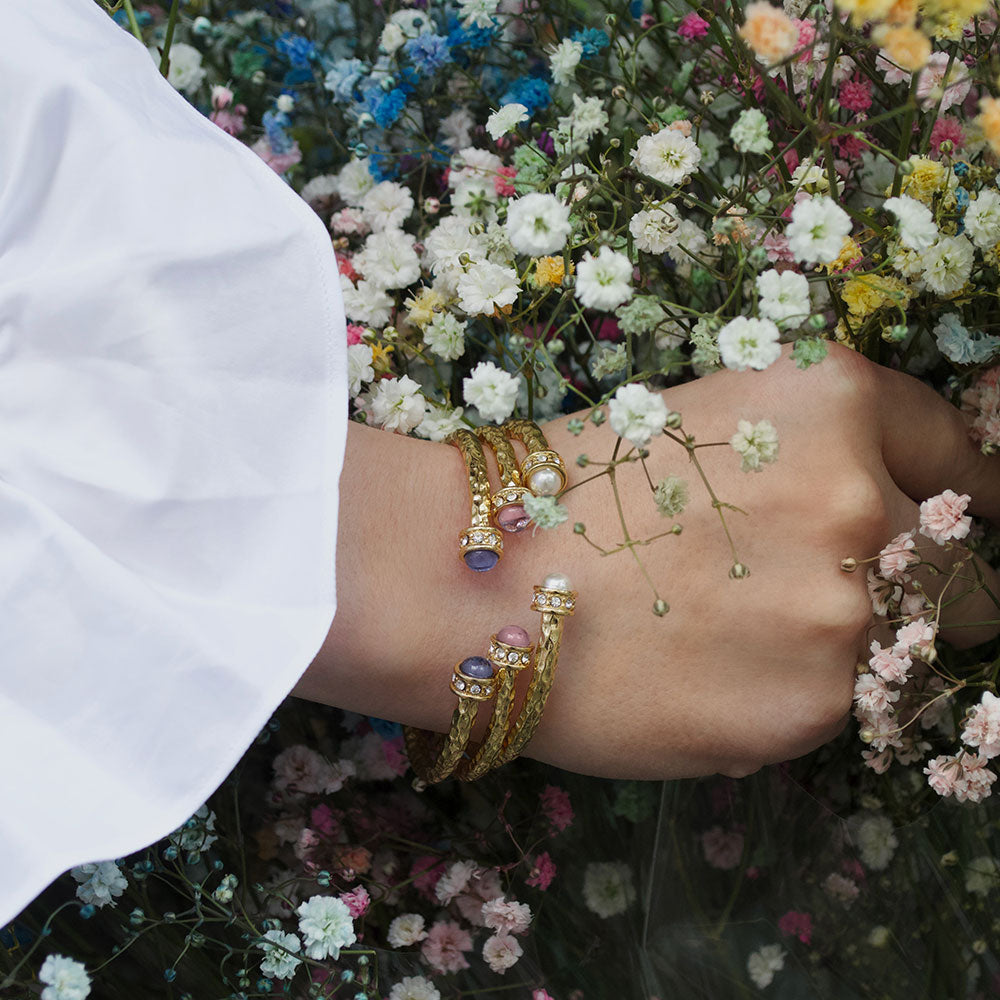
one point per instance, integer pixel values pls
(540, 207)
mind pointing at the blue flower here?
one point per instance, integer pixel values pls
(470, 38)
(382, 168)
(635, 8)
(531, 91)
(958, 345)
(343, 79)
(385, 107)
(387, 730)
(429, 52)
(275, 123)
(298, 50)
(592, 40)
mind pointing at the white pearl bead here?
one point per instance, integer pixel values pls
(545, 482)
(556, 581)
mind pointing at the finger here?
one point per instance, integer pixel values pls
(926, 444)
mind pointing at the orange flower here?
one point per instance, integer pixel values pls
(902, 12)
(989, 121)
(907, 47)
(770, 32)
(866, 10)
(550, 271)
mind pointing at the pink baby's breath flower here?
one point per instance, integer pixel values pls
(722, 848)
(947, 129)
(841, 887)
(349, 222)
(425, 872)
(501, 951)
(278, 162)
(897, 557)
(300, 770)
(856, 94)
(889, 664)
(692, 26)
(878, 761)
(454, 880)
(556, 806)
(913, 604)
(915, 637)
(322, 819)
(443, 947)
(882, 593)
(543, 871)
(395, 755)
(941, 517)
(503, 181)
(544, 994)
(872, 694)
(506, 916)
(982, 729)
(354, 334)
(974, 783)
(356, 901)
(482, 887)
(796, 924)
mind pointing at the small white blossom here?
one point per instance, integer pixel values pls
(671, 496)
(487, 287)
(186, 71)
(538, 224)
(982, 219)
(764, 963)
(445, 336)
(491, 390)
(354, 181)
(817, 231)
(65, 979)
(783, 296)
(546, 512)
(387, 206)
(948, 264)
(100, 883)
(756, 444)
(607, 888)
(604, 281)
(477, 13)
(917, 229)
(366, 303)
(501, 952)
(875, 839)
(982, 875)
(668, 156)
(637, 414)
(414, 988)
(391, 39)
(397, 404)
(506, 120)
(359, 367)
(388, 260)
(326, 926)
(406, 930)
(749, 343)
(451, 246)
(750, 132)
(439, 422)
(564, 59)
(655, 230)
(576, 129)
(280, 961)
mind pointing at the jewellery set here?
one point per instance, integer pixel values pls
(493, 678)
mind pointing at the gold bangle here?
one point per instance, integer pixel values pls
(542, 470)
(508, 502)
(481, 544)
(555, 600)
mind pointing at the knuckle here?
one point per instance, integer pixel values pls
(845, 378)
(857, 513)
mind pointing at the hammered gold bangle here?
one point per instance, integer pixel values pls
(508, 502)
(542, 470)
(481, 544)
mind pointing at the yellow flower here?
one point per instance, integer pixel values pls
(949, 27)
(865, 10)
(989, 121)
(423, 306)
(908, 48)
(380, 356)
(902, 12)
(866, 293)
(926, 179)
(946, 9)
(850, 253)
(550, 271)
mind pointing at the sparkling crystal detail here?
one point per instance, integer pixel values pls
(525, 657)
(477, 536)
(540, 598)
(569, 603)
(556, 602)
(512, 657)
(460, 685)
(465, 539)
(475, 689)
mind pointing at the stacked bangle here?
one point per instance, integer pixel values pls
(480, 545)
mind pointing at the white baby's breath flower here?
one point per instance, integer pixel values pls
(186, 71)
(354, 181)
(655, 230)
(982, 219)
(607, 888)
(506, 120)
(414, 988)
(756, 444)
(637, 414)
(491, 390)
(445, 336)
(538, 224)
(439, 422)
(604, 281)
(473, 164)
(749, 343)
(783, 296)
(64, 978)
(817, 231)
(387, 205)
(576, 129)
(100, 883)
(359, 367)
(668, 156)
(280, 950)
(451, 246)
(563, 60)
(477, 13)
(397, 404)
(917, 229)
(546, 512)
(406, 930)
(391, 39)
(750, 132)
(366, 303)
(326, 926)
(388, 259)
(671, 496)
(456, 128)
(764, 963)
(948, 264)
(875, 840)
(486, 287)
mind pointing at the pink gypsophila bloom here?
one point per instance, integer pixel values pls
(947, 129)
(501, 951)
(975, 781)
(278, 162)
(872, 694)
(506, 916)
(917, 636)
(897, 557)
(983, 726)
(692, 26)
(856, 94)
(882, 593)
(888, 664)
(543, 871)
(722, 848)
(356, 901)
(503, 181)
(797, 924)
(483, 887)
(878, 761)
(941, 517)
(321, 818)
(442, 948)
(556, 806)
(913, 604)
(354, 333)
(425, 873)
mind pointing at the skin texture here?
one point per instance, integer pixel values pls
(739, 673)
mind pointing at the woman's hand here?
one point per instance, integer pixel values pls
(740, 672)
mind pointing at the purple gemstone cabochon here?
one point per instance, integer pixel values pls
(481, 560)
(476, 666)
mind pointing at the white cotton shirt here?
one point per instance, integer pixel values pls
(173, 404)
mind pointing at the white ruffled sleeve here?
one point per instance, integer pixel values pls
(173, 410)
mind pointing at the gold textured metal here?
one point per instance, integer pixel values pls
(511, 492)
(560, 602)
(480, 534)
(528, 433)
(540, 455)
(509, 661)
